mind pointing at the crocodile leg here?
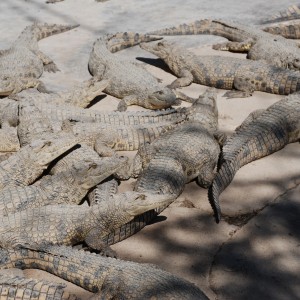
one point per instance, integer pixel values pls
(49, 65)
(234, 46)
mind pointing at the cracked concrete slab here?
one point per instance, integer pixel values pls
(262, 259)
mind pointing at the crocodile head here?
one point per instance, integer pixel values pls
(44, 151)
(162, 49)
(88, 173)
(122, 208)
(163, 98)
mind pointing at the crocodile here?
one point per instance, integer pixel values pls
(259, 45)
(103, 191)
(26, 165)
(16, 287)
(108, 278)
(120, 138)
(163, 167)
(79, 95)
(262, 133)
(66, 187)
(65, 224)
(9, 113)
(23, 63)
(289, 29)
(129, 81)
(245, 76)
(291, 13)
(9, 138)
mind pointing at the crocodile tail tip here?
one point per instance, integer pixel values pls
(213, 198)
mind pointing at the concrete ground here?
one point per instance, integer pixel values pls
(254, 254)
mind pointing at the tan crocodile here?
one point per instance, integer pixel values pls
(23, 63)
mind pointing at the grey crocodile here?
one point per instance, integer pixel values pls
(245, 76)
(9, 113)
(122, 137)
(16, 287)
(259, 45)
(289, 29)
(108, 278)
(262, 133)
(65, 187)
(72, 224)
(23, 63)
(79, 95)
(26, 165)
(129, 81)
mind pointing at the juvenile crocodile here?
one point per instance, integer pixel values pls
(245, 76)
(129, 81)
(9, 113)
(109, 278)
(66, 187)
(122, 137)
(23, 63)
(72, 224)
(79, 95)
(259, 45)
(26, 165)
(15, 288)
(262, 133)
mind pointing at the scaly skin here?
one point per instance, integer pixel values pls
(9, 113)
(203, 111)
(109, 278)
(129, 80)
(79, 96)
(15, 287)
(71, 224)
(26, 165)
(9, 138)
(23, 63)
(246, 76)
(32, 123)
(261, 134)
(291, 13)
(259, 45)
(68, 187)
(103, 193)
(122, 138)
(289, 30)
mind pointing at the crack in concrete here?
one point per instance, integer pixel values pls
(240, 221)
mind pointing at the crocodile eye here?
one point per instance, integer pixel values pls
(160, 44)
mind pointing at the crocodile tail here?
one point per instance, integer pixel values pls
(43, 30)
(123, 40)
(196, 27)
(290, 30)
(221, 181)
(291, 13)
